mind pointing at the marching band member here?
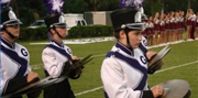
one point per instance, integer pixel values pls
(15, 70)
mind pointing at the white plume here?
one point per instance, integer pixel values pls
(56, 5)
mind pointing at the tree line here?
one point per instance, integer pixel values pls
(35, 9)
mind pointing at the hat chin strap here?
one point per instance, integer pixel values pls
(10, 34)
(128, 42)
(57, 33)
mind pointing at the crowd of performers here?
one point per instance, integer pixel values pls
(171, 26)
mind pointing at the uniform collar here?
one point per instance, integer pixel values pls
(57, 44)
(124, 48)
(7, 44)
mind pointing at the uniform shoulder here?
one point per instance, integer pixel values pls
(68, 49)
(20, 46)
(47, 49)
(112, 63)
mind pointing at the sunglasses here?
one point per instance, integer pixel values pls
(13, 25)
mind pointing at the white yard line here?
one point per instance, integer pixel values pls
(89, 91)
(160, 71)
(174, 67)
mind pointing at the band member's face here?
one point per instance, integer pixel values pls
(14, 29)
(134, 38)
(62, 31)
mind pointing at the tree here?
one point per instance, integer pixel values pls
(171, 5)
(194, 5)
(108, 5)
(28, 10)
(152, 6)
(75, 6)
(98, 5)
(92, 4)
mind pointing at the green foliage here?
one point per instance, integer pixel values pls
(28, 10)
(75, 32)
(75, 6)
(152, 6)
(90, 31)
(173, 6)
(98, 5)
(33, 34)
(194, 5)
(80, 6)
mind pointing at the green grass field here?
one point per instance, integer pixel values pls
(183, 55)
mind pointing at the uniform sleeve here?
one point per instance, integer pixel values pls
(1, 80)
(51, 64)
(113, 81)
(29, 66)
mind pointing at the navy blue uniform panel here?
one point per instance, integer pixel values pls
(59, 90)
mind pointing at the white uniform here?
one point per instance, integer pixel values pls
(14, 63)
(192, 17)
(54, 57)
(124, 73)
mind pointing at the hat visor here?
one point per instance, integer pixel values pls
(12, 22)
(136, 26)
(60, 25)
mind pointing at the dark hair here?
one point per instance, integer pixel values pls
(116, 33)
